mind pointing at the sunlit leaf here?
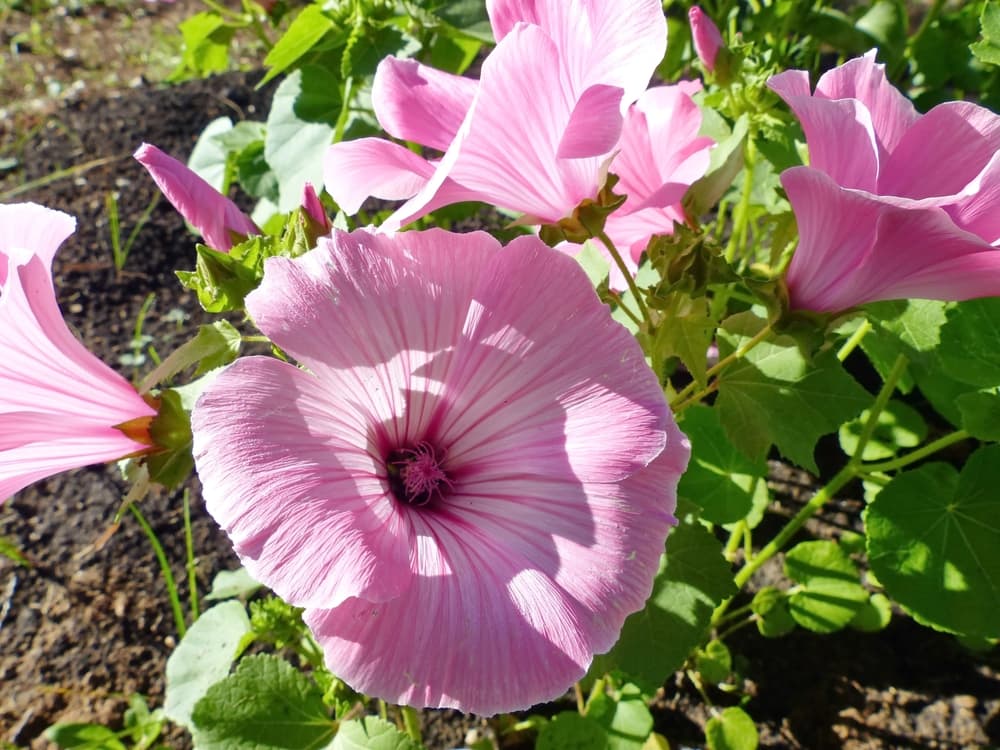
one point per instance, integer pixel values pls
(934, 543)
(831, 592)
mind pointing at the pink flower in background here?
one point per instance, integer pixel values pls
(661, 155)
(894, 204)
(60, 406)
(217, 219)
(534, 135)
(705, 36)
(314, 208)
(468, 486)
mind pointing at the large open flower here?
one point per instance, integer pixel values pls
(469, 482)
(60, 406)
(536, 132)
(894, 204)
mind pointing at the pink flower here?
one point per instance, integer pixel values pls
(314, 208)
(60, 406)
(468, 486)
(894, 204)
(661, 155)
(534, 135)
(705, 36)
(219, 221)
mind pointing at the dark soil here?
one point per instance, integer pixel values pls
(88, 623)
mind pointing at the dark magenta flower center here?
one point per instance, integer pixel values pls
(416, 476)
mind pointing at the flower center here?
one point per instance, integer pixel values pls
(416, 476)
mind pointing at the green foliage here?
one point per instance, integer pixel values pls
(987, 50)
(371, 733)
(10, 550)
(624, 717)
(774, 395)
(142, 728)
(693, 579)
(203, 658)
(266, 703)
(873, 615)
(830, 594)
(171, 432)
(934, 542)
(228, 584)
(898, 426)
(206, 46)
(773, 616)
(731, 729)
(571, 731)
(719, 478)
(713, 662)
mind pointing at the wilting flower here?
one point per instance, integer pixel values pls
(60, 406)
(705, 36)
(534, 135)
(219, 221)
(894, 204)
(468, 486)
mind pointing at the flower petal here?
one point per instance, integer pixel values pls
(414, 102)
(216, 218)
(863, 79)
(617, 44)
(841, 135)
(594, 125)
(313, 518)
(354, 171)
(942, 152)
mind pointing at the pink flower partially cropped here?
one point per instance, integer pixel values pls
(894, 204)
(60, 406)
(534, 135)
(469, 484)
(705, 36)
(661, 155)
(219, 221)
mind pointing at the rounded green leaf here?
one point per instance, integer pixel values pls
(899, 426)
(732, 729)
(571, 731)
(714, 662)
(874, 615)
(831, 593)
(771, 607)
(934, 543)
(371, 733)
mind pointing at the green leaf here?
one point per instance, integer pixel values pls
(255, 174)
(898, 426)
(719, 478)
(570, 731)
(714, 662)
(223, 280)
(686, 333)
(229, 584)
(886, 22)
(874, 615)
(692, 581)
(989, 21)
(300, 127)
(624, 716)
(773, 616)
(831, 593)
(469, 17)
(206, 46)
(203, 658)
(981, 413)
(968, 348)
(934, 543)
(454, 54)
(209, 156)
(732, 729)
(83, 737)
(213, 346)
(371, 733)
(265, 704)
(304, 33)
(773, 395)
(10, 550)
(364, 53)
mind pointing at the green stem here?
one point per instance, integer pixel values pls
(735, 540)
(851, 344)
(411, 722)
(918, 454)
(643, 311)
(168, 576)
(741, 211)
(191, 563)
(845, 475)
(722, 364)
(737, 626)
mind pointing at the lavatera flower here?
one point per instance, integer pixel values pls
(534, 135)
(60, 406)
(894, 204)
(468, 480)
